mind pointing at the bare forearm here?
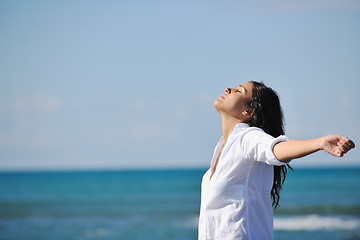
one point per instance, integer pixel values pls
(286, 151)
(335, 145)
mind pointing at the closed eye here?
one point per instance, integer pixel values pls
(241, 87)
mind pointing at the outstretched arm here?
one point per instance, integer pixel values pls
(334, 144)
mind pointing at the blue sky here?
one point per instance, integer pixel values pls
(131, 84)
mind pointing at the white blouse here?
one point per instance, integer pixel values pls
(236, 201)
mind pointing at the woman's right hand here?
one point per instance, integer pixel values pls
(336, 145)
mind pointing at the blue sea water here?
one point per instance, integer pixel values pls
(164, 204)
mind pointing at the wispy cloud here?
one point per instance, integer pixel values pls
(38, 103)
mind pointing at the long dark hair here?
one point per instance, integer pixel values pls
(268, 115)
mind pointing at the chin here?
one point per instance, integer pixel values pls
(216, 105)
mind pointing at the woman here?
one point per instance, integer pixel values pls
(250, 163)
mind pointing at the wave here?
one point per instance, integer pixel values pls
(316, 222)
(321, 210)
(302, 223)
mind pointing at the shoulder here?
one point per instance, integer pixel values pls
(257, 145)
(253, 141)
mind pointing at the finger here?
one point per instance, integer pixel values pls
(343, 150)
(346, 145)
(351, 143)
(338, 153)
(341, 144)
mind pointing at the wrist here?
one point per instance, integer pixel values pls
(321, 143)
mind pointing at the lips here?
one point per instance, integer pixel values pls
(222, 96)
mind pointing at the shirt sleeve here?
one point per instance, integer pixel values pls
(258, 146)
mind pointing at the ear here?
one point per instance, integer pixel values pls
(248, 113)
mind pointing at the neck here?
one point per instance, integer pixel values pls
(228, 125)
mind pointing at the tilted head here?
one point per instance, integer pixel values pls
(253, 103)
(235, 101)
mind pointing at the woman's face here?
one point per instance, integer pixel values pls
(234, 102)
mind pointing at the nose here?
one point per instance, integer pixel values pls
(228, 90)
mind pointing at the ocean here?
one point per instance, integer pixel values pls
(164, 204)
